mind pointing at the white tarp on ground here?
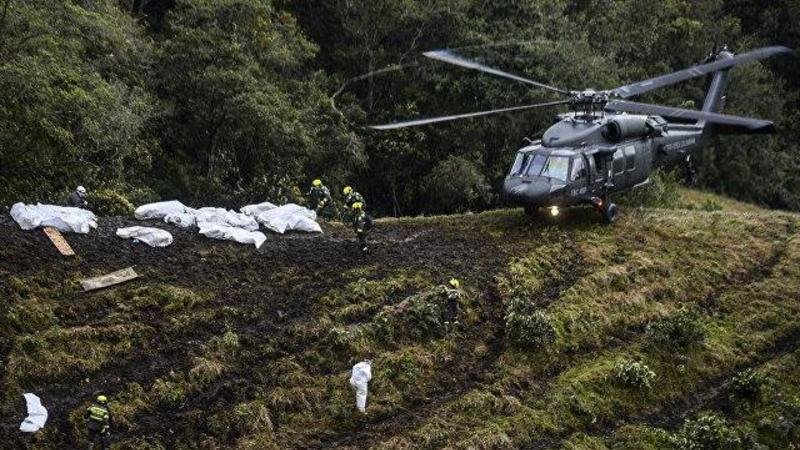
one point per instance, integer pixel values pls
(221, 216)
(159, 210)
(255, 210)
(154, 237)
(290, 217)
(220, 223)
(183, 220)
(228, 233)
(176, 213)
(37, 414)
(63, 218)
(359, 379)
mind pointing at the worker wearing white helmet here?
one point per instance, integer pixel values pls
(77, 199)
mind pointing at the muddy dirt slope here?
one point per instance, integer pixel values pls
(571, 334)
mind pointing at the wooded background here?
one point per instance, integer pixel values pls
(222, 102)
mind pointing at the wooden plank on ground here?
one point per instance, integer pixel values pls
(110, 279)
(58, 240)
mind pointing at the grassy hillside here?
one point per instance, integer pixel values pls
(674, 328)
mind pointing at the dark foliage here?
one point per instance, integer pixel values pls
(240, 100)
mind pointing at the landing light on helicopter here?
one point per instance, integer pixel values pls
(554, 211)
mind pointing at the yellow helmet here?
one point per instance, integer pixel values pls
(454, 283)
(316, 183)
(357, 205)
(102, 399)
(347, 190)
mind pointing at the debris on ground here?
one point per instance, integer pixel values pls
(62, 218)
(360, 377)
(290, 217)
(58, 241)
(110, 279)
(154, 237)
(37, 414)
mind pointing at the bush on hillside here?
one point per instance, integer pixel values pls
(109, 202)
(634, 374)
(456, 185)
(708, 432)
(526, 328)
(681, 329)
(748, 384)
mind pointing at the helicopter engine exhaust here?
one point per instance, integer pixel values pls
(626, 127)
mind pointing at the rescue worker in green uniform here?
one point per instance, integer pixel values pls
(321, 200)
(361, 224)
(98, 422)
(453, 296)
(350, 198)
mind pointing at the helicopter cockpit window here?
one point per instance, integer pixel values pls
(578, 169)
(535, 168)
(556, 167)
(519, 163)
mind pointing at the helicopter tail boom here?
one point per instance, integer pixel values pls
(723, 123)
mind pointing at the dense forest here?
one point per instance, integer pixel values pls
(221, 102)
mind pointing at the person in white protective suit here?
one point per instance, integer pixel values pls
(362, 373)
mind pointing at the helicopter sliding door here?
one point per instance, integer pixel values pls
(579, 175)
(619, 172)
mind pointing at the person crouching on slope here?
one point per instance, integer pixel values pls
(77, 199)
(321, 200)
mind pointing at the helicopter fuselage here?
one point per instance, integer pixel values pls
(582, 159)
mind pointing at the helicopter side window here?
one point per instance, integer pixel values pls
(630, 157)
(536, 165)
(619, 162)
(578, 169)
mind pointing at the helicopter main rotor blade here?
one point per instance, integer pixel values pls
(641, 87)
(450, 57)
(413, 123)
(726, 124)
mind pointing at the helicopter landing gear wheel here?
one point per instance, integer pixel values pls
(530, 211)
(610, 213)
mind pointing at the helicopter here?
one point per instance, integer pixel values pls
(607, 144)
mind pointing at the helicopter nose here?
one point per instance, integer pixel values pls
(527, 192)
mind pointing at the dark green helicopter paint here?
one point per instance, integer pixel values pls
(608, 144)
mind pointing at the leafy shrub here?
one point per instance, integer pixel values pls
(424, 316)
(682, 329)
(748, 384)
(526, 328)
(711, 205)
(530, 330)
(456, 185)
(168, 393)
(634, 374)
(108, 202)
(708, 432)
